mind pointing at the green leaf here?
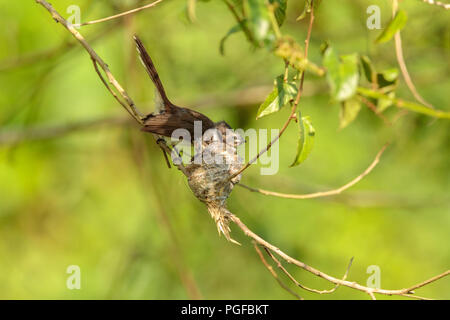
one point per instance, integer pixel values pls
(386, 80)
(349, 111)
(387, 77)
(307, 8)
(305, 140)
(368, 68)
(384, 103)
(342, 74)
(395, 25)
(233, 30)
(259, 21)
(280, 96)
(280, 10)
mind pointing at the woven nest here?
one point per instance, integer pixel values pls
(209, 177)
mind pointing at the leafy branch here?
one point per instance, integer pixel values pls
(342, 72)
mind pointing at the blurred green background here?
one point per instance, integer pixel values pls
(104, 199)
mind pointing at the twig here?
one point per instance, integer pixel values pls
(240, 20)
(371, 291)
(373, 108)
(294, 106)
(273, 20)
(402, 64)
(445, 6)
(13, 137)
(419, 285)
(118, 15)
(127, 102)
(124, 98)
(167, 150)
(323, 193)
(273, 273)
(280, 266)
(403, 104)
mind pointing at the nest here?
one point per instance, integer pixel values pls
(210, 177)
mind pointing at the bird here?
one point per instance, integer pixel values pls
(169, 117)
(210, 181)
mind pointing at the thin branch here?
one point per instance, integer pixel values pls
(273, 273)
(373, 108)
(294, 106)
(118, 15)
(124, 99)
(371, 291)
(167, 150)
(273, 20)
(240, 20)
(445, 6)
(419, 285)
(127, 102)
(279, 264)
(403, 104)
(323, 193)
(416, 297)
(402, 64)
(13, 137)
(105, 83)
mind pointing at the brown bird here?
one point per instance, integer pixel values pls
(170, 117)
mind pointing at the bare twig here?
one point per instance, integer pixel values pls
(121, 96)
(273, 273)
(119, 15)
(240, 20)
(403, 104)
(402, 64)
(294, 105)
(419, 285)
(167, 150)
(341, 282)
(445, 6)
(13, 137)
(323, 193)
(373, 108)
(126, 101)
(280, 266)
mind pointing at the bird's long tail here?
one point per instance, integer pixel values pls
(151, 70)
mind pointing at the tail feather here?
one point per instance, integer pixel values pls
(151, 70)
